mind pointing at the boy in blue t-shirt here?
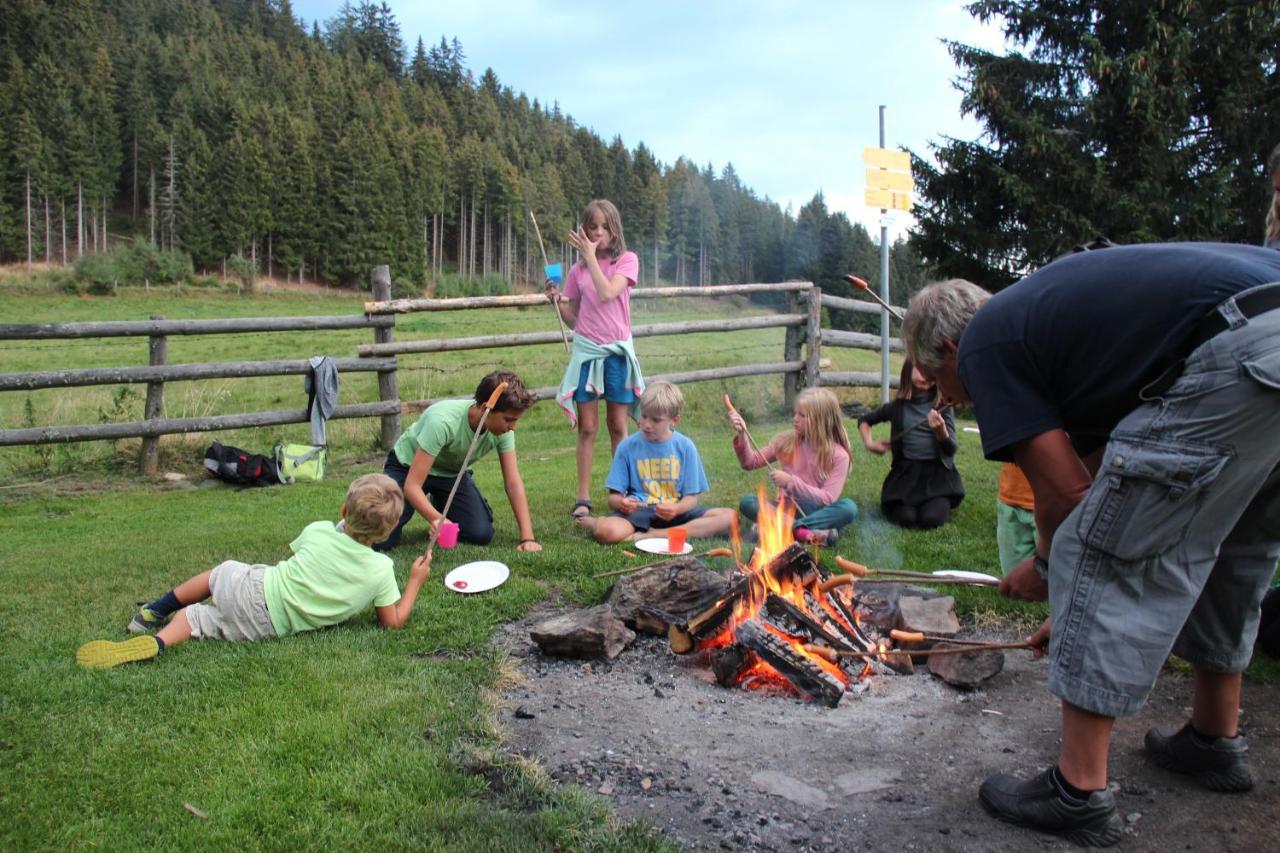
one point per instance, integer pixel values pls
(656, 477)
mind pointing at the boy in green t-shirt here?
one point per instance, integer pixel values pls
(333, 575)
(428, 455)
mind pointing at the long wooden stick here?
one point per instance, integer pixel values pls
(916, 425)
(729, 409)
(555, 304)
(832, 655)
(462, 469)
(714, 552)
(863, 286)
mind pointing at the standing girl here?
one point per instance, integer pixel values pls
(814, 456)
(923, 485)
(597, 303)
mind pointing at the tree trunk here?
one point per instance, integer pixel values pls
(63, 219)
(151, 203)
(135, 176)
(79, 220)
(28, 194)
(462, 234)
(48, 232)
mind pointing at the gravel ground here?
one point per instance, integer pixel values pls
(896, 767)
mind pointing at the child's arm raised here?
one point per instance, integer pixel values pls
(606, 288)
(396, 615)
(514, 484)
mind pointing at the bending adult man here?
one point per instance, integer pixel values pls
(1139, 389)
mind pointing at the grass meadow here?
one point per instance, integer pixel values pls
(352, 737)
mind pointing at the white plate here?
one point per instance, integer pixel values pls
(968, 576)
(477, 577)
(659, 546)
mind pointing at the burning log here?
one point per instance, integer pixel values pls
(801, 671)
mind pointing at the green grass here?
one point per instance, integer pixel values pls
(351, 737)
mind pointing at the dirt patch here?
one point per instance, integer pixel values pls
(894, 768)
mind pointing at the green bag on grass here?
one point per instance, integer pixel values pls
(301, 462)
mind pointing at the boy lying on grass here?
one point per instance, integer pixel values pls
(333, 575)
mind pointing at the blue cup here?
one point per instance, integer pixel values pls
(554, 272)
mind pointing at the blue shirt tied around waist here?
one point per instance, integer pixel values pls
(593, 355)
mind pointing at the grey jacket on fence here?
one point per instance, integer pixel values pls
(321, 385)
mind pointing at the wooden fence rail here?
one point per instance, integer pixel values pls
(800, 364)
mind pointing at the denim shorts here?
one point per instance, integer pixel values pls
(644, 518)
(615, 382)
(1176, 541)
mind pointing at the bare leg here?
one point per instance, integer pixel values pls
(715, 523)
(610, 529)
(194, 590)
(616, 416)
(1215, 709)
(177, 631)
(588, 424)
(1086, 743)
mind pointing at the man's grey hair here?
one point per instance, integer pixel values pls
(939, 312)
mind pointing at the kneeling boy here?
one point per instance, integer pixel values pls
(657, 476)
(333, 575)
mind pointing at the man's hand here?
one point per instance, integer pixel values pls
(1023, 582)
(529, 546)
(421, 568)
(1040, 639)
(666, 512)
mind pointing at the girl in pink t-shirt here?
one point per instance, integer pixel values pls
(814, 457)
(597, 303)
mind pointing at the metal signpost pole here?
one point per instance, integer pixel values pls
(884, 288)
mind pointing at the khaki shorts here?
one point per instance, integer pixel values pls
(237, 608)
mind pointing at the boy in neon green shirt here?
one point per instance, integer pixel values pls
(333, 575)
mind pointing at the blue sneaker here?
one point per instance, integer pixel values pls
(146, 622)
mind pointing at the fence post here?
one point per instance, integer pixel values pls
(813, 332)
(791, 352)
(149, 458)
(387, 385)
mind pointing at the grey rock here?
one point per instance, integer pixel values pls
(929, 615)
(966, 670)
(593, 633)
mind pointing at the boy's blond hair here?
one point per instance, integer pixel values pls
(662, 398)
(373, 507)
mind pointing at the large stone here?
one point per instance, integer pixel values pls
(677, 587)
(593, 634)
(935, 616)
(966, 670)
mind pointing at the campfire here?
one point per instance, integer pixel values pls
(779, 622)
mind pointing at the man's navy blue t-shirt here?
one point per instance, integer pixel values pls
(1071, 345)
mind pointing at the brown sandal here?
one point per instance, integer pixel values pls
(584, 505)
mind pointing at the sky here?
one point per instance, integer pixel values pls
(787, 92)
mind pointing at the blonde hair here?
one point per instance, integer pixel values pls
(826, 429)
(1273, 212)
(612, 220)
(662, 398)
(373, 507)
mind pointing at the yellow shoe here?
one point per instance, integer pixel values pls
(104, 654)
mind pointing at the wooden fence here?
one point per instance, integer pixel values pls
(800, 364)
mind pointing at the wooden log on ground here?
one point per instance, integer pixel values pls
(729, 663)
(149, 328)
(803, 673)
(793, 620)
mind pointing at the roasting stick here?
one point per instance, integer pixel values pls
(919, 637)
(564, 336)
(729, 409)
(462, 469)
(863, 286)
(834, 655)
(714, 552)
(859, 573)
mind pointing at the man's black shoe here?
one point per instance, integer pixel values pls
(1220, 764)
(1037, 803)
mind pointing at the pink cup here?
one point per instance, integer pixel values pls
(447, 537)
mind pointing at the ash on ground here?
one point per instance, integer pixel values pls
(894, 767)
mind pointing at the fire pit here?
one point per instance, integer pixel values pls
(777, 625)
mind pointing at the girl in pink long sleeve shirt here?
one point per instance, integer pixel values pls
(814, 462)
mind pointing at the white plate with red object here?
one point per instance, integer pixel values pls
(480, 576)
(658, 545)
